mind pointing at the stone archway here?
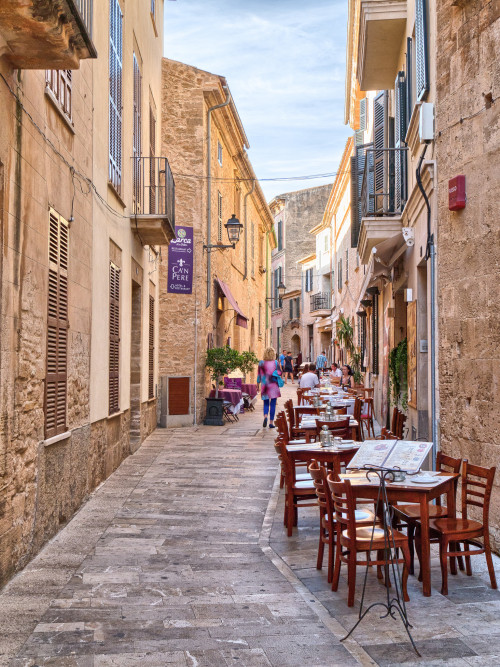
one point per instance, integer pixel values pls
(295, 345)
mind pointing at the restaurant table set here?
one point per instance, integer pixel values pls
(308, 422)
(388, 475)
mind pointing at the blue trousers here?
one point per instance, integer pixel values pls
(273, 407)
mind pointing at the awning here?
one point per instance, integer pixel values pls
(384, 255)
(325, 324)
(241, 320)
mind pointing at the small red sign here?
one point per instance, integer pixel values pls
(456, 193)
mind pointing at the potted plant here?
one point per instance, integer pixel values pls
(220, 361)
(398, 374)
(247, 363)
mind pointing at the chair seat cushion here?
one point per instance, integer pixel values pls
(446, 525)
(364, 536)
(412, 511)
(303, 476)
(305, 484)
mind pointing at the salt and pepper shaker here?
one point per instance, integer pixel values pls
(325, 437)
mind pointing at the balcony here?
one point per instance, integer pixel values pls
(384, 193)
(320, 304)
(46, 34)
(153, 207)
(382, 26)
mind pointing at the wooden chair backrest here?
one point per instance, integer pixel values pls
(337, 429)
(305, 410)
(477, 483)
(447, 463)
(400, 423)
(369, 406)
(318, 475)
(343, 503)
(286, 462)
(394, 420)
(358, 404)
(282, 426)
(290, 413)
(340, 411)
(299, 396)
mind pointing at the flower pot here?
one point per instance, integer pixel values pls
(215, 413)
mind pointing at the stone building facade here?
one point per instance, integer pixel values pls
(70, 251)
(390, 88)
(295, 213)
(191, 323)
(468, 251)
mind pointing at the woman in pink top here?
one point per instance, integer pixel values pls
(269, 389)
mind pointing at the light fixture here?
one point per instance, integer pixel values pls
(281, 292)
(234, 227)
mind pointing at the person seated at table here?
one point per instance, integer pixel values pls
(269, 388)
(335, 371)
(347, 379)
(309, 379)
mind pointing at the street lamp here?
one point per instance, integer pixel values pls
(281, 292)
(234, 227)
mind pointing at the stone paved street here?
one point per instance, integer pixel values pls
(180, 558)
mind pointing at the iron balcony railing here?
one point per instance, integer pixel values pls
(320, 301)
(384, 189)
(153, 188)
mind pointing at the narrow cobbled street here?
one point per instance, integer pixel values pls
(180, 558)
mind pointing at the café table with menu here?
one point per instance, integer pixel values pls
(418, 486)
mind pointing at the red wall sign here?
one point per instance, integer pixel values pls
(456, 193)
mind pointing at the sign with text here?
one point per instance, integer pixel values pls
(180, 262)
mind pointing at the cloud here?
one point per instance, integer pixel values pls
(284, 61)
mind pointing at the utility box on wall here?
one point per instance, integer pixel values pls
(456, 193)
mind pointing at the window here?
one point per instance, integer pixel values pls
(297, 307)
(153, 7)
(252, 245)
(280, 235)
(421, 49)
(260, 320)
(219, 153)
(291, 309)
(151, 359)
(57, 327)
(58, 81)
(347, 265)
(339, 274)
(309, 280)
(152, 162)
(115, 94)
(137, 134)
(400, 127)
(114, 338)
(219, 217)
(325, 243)
(277, 302)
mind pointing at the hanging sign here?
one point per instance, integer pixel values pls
(180, 262)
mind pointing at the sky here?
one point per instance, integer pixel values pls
(284, 61)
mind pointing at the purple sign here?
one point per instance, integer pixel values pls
(180, 262)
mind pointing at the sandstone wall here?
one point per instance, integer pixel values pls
(468, 249)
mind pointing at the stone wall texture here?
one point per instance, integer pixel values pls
(468, 250)
(187, 322)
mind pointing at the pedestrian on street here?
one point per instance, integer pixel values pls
(321, 361)
(282, 360)
(288, 373)
(267, 377)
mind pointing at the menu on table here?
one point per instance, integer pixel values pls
(406, 455)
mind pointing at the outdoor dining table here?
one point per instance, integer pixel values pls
(232, 396)
(309, 426)
(411, 492)
(250, 389)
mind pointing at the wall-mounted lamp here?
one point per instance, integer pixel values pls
(234, 227)
(281, 292)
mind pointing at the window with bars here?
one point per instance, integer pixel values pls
(56, 378)
(219, 153)
(115, 93)
(114, 338)
(137, 134)
(219, 217)
(151, 358)
(58, 81)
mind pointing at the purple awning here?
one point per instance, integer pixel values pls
(241, 320)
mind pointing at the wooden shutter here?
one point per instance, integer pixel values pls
(219, 217)
(291, 309)
(178, 396)
(137, 137)
(375, 335)
(400, 125)
(355, 217)
(57, 327)
(151, 360)
(114, 338)
(65, 91)
(152, 162)
(421, 49)
(115, 93)
(409, 75)
(381, 141)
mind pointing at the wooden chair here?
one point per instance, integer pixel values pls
(410, 513)
(366, 418)
(298, 492)
(477, 483)
(358, 405)
(283, 432)
(339, 411)
(400, 424)
(338, 429)
(299, 396)
(295, 432)
(355, 539)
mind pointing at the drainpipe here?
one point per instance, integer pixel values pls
(430, 253)
(195, 382)
(247, 194)
(267, 289)
(209, 184)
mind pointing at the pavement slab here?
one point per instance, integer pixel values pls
(181, 558)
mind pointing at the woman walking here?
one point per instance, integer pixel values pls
(288, 367)
(269, 389)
